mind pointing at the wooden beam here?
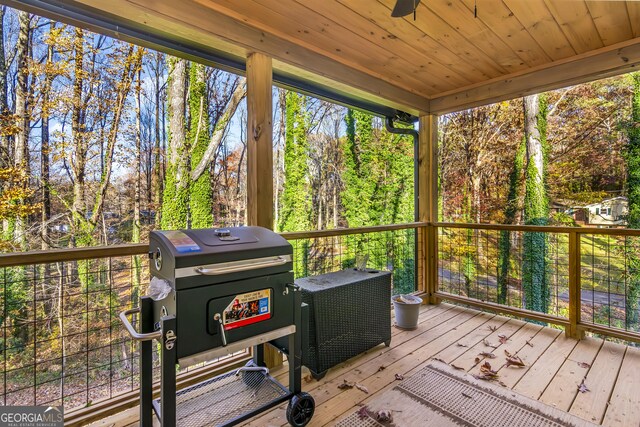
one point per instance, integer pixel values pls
(259, 141)
(193, 22)
(428, 204)
(605, 62)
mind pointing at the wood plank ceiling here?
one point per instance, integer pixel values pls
(446, 48)
(446, 59)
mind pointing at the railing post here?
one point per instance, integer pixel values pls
(575, 294)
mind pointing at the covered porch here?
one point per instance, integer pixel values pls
(353, 53)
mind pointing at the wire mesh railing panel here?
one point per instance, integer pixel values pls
(519, 269)
(610, 280)
(390, 250)
(62, 343)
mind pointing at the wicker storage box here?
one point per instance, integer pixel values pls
(349, 313)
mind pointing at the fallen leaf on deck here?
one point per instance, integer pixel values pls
(457, 367)
(488, 344)
(515, 361)
(493, 328)
(477, 360)
(362, 388)
(382, 368)
(399, 377)
(462, 345)
(346, 385)
(582, 388)
(529, 344)
(503, 339)
(439, 360)
(486, 373)
(584, 365)
(308, 378)
(487, 355)
(506, 353)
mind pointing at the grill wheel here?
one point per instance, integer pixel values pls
(300, 409)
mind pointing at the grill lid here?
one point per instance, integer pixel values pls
(214, 251)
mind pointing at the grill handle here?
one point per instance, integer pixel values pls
(218, 318)
(131, 330)
(214, 271)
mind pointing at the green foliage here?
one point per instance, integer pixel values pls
(535, 280)
(632, 157)
(175, 207)
(200, 195)
(511, 209)
(296, 202)
(378, 189)
(562, 219)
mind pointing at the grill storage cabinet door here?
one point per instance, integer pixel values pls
(350, 312)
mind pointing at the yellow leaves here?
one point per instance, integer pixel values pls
(16, 191)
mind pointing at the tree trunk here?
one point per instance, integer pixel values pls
(45, 149)
(504, 242)
(78, 158)
(135, 232)
(133, 62)
(21, 150)
(158, 166)
(5, 149)
(536, 206)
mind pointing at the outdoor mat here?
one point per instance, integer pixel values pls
(440, 396)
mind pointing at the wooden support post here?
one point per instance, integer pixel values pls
(259, 141)
(428, 204)
(575, 294)
(260, 154)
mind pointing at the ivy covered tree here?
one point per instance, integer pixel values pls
(200, 194)
(511, 209)
(175, 207)
(632, 158)
(535, 281)
(296, 202)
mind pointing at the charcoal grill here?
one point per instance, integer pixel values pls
(231, 289)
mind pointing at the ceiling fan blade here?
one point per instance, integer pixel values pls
(404, 7)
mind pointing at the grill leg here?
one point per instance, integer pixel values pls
(258, 355)
(295, 346)
(146, 363)
(168, 375)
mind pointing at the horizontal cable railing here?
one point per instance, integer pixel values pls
(583, 278)
(62, 342)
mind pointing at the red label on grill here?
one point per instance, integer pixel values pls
(246, 309)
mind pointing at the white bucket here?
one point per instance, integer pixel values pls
(407, 310)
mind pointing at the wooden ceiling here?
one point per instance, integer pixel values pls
(444, 60)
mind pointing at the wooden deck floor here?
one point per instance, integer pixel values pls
(555, 366)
